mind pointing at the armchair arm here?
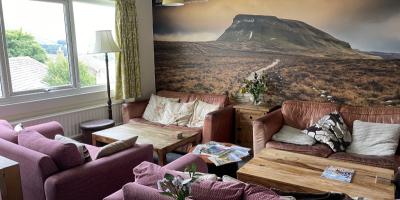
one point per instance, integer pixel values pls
(133, 109)
(49, 129)
(218, 125)
(98, 178)
(187, 160)
(265, 127)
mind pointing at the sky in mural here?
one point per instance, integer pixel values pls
(368, 25)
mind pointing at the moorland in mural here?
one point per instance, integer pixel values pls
(301, 62)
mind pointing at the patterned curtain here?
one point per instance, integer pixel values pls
(127, 66)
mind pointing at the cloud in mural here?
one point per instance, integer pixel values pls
(371, 25)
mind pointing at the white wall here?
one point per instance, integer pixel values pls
(146, 46)
(21, 111)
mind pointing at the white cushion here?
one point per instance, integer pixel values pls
(155, 109)
(177, 113)
(201, 109)
(115, 147)
(292, 135)
(374, 138)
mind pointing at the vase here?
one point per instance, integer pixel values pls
(257, 99)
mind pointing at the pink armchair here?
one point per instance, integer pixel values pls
(43, 180)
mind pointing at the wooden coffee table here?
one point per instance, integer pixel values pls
(163, 140)
(289, 171)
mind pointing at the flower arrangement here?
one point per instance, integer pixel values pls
(176, 186)
(255, 87)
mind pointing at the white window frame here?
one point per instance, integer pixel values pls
(11, 97)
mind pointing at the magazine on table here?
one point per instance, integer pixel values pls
(338, 173)
(220, 154)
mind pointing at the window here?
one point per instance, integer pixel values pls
(92, 66)
(47, 44)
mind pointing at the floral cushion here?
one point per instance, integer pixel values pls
(177, 113)
(156, 107)
(201, 109)
(332, 131)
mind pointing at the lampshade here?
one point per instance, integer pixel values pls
(173, 2)
(105, 42)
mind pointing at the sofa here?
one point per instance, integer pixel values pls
(150, 193)
(218, 125)
(41, 178)
(302, 114)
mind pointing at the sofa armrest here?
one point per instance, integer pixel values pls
(98, 178)
(133, 110)
(218, 125)
(49, 129)
(265, 127)
(187, 160)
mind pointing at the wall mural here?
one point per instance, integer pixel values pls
(323, 50)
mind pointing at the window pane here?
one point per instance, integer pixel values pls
(36, 44)
(90, 18)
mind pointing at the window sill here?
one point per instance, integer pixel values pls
(30, 105)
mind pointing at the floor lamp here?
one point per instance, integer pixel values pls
(105, 44)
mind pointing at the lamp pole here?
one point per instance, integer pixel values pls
(108, 90)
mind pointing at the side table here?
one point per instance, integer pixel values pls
(92, 126)
(10, 180)
(228, 169)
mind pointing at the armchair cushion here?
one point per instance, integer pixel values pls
(115, 147)
(7, 132)
(148, 174)
(135, 191)
(65, 156)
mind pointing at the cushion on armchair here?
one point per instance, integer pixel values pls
(115, 147)
(65, 156)
(217, 190)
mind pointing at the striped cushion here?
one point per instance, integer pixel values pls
(256, 192)
(81, 147)
(115, 147)
(374, 138)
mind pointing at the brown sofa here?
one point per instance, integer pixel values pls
(218, 125)
(302, 114)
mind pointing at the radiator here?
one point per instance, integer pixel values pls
(70, 120)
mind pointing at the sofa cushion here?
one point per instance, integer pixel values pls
(177, 113)
(374, 138)
(7, 132)
(390, 162)
(65, 156)
(156, 108)
(331, 130)
(201, 109)
(292, 135)
(320, 150)
(302, 114)
(217, 190)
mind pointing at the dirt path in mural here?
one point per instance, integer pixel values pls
(262, 70)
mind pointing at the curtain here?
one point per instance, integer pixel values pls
(127, 61)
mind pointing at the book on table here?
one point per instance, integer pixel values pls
(338, 173)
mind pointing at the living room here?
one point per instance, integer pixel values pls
(199, 99)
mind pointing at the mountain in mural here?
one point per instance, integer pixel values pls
(259, 33)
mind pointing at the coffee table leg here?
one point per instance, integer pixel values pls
(94, 141)
(162, 158)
